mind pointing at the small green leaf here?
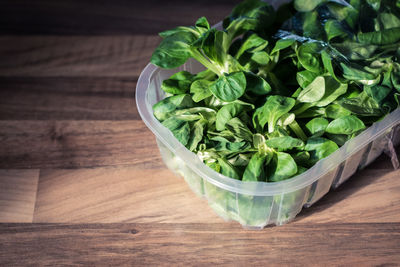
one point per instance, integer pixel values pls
(256, 84)
(345, 125)
(281, 167)
(239, 129)
(203, 23)
(305, 77)
(261, 58)
(377, 92)
(284, 143)
(309, 57)
(362, 105)
(320, 148)
(166, 106)
(282, 44)
(334, 28)
(354, 72)
(389, 20)
(255, 169)
(174, 50)
(179, 83)
(227, 169)
(200, 90)
(334, 111)
(272, 110)
(226, 113)
(312, 27)
(333, 90)
(229, 87)
(383, 37)
(253, 43)
(301, 158)
(313, 92)
(196, 134)
(395, 78)
(317, 125)
(179, 128)
(223, 144)
(249, 15)
(307, 5)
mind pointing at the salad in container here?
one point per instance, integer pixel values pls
(267, 111)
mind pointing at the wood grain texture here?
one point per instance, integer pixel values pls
(200, 244)
(73, 144)
(68, 98)
(132, 194)
(105, 17)
(18, 195)
(371, 195)
(77, 56)
(107, 195)
(68, 72)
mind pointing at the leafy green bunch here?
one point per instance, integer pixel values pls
(276, 98)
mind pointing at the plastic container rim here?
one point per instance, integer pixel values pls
(251, 188)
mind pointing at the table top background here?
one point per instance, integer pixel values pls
(81, 178)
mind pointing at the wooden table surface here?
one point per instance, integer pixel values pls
(81, 178)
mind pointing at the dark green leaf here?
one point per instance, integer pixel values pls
(253, 43)
(164, 108)
(179, 128)
(228, 170)
(174, 50)
(301, 158)
(312, 27)
(395, 77)
(179, 83)
(377, 92)
(256, 84)
(309, 57)
(249, 15)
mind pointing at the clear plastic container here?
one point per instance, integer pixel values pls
(257, 204)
